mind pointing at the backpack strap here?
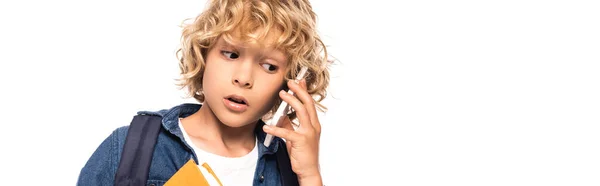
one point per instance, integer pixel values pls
(288, 177)
(138, 149)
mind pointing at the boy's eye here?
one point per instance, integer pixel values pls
(269, 67)
(231, 55)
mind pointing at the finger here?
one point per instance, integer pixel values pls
(284, 133)
(301, 112)
(307, 100)
(313, 113)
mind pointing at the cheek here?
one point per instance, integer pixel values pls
(206, 77)
(273, 99)
(211, 79)
(216, 73)
(272, 92)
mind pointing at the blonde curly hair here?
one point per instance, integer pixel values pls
(293, 20)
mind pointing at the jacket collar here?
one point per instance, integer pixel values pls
(170, 122)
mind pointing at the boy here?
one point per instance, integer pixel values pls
(237, 58)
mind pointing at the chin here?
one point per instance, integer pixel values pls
(236, 121)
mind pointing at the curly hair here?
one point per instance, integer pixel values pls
(293, 20)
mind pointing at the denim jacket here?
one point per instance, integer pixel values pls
(170, 153)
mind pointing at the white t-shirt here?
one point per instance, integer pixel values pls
(230, 171)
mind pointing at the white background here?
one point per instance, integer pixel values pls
(423, 93)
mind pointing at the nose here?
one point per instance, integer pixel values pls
(242, 83)
(243, 77)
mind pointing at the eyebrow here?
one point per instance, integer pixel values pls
(224, 43)
(267, 53)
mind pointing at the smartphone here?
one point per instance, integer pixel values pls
(284, 108)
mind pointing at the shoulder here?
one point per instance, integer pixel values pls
(101, 167)
(117, 142)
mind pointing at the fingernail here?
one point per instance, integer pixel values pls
(281, 92)
(266, 127)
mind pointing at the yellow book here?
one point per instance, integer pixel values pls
(189, 174)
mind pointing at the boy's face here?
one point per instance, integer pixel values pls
(241, 82)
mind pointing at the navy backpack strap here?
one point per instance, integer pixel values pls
(288, 177)
(138, 149)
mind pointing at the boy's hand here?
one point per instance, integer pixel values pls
(302, 144)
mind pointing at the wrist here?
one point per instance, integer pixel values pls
(311, 179)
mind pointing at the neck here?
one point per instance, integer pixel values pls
(209, 133)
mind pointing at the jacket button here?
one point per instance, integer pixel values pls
(262, 178)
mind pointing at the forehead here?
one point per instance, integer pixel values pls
(259, 38)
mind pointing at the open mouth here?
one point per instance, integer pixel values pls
(237, 99)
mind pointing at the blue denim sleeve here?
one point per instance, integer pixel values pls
(102, 166)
